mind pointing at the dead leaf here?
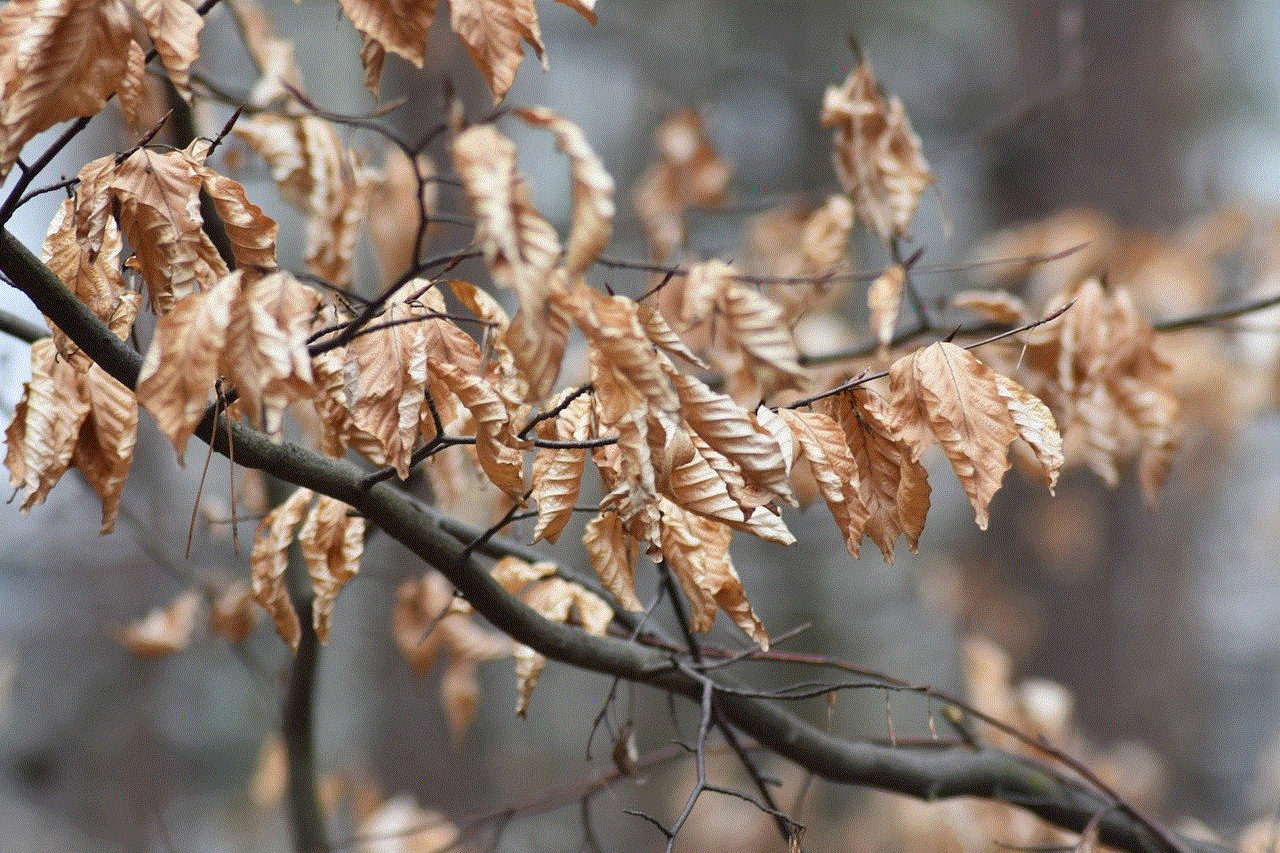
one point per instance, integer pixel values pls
(164, 630)
(270, 558)
(331, 541)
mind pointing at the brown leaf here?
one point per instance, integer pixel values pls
(495, 443)
(884, 297)
(612, 324)
(251, 232)
(893, 487)
(557, 472)
(396, 207)
(757, 326)
(398, 26)
(612, 552)
(729, 429)
(723, 582)
(945, 393)
(232, 614)
(331, 541)
(174, 28)
(689, 173)
(58, 59)
(104, 448)
(822, 442)
(386, 372)
(41, 438)
(92, 276)
(593, 208)
(492, 31)
(876, 153)
(270, 558)
(164, 630)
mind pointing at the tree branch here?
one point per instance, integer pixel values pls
(922, 770)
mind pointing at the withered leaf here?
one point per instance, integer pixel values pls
(270, 558)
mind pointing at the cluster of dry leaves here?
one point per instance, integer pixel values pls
(696, 413)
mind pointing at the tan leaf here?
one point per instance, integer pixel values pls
(174, 28)
(58, 59)
(398, 26)
(159, 198)
(265, 357)
(93, 276)
(537, 338)
(320, 177)
(132, 94)
(396, 206)
(492, 31)
(164, 630)
(612, 552)
(686, 557)
(822, 443)
(104, 448)
(999, 306)
(729, 429)
(495, 444)
(945, 393)
(270, 558)
(756, 325)
(690, 172)
(272, 56)
(585, 8)
(723, 582)
(686, 476)
(891, 485)
(1035, 425)
(884, 298)
(331, 541)
(41, 438)
(251, 232)
(593, 208)
(557, 472)
(612, 324)
(232, 614)
(664, 337)
(386, 372)
(876, 153)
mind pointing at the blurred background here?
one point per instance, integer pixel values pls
(1148, 125)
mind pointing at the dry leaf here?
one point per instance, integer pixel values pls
(945, 393)
(876, 153)
(557, 472)
(492, 31)
(612, 552)
(400, 826)
(164, 630)
(331, 541)
(822, 443)
(690, 172)
(270, 558)
(884, 297)
(58, 59)
(592, 190)
(174, 28)
(232, 614)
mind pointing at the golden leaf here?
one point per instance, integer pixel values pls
(492, 31)
(756, 324)
(164, 630)
(945, 393)
(251, 232)
(331, 541)
(270, 558)
(93, 276)
(723, 582)
(612, 324)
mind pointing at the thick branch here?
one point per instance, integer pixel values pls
(924, 771)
